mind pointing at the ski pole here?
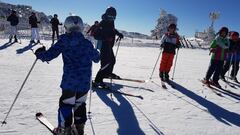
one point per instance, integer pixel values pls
(118, 40)
(90, 95)
(229, 69)
(155, 64)
(174, 67)
(235, 65)
(4, 121)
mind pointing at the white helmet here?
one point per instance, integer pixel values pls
(73, 24)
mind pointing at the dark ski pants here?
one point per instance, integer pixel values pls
(107, 63)
(214, 69)
(55, 30)
(72, 106)
(235, 68)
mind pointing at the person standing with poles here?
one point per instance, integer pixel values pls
(14, 21)
(231, 57)
(77, 54)
(33, 21)
(218, 48)
(55, 22)
(169, 42)
(106, 33)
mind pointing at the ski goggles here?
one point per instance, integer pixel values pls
(110, 17)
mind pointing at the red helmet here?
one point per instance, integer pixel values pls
(234, 35)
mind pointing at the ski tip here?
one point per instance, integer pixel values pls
(3, 123)
(146, 81)
(39, 114)
(140, 97)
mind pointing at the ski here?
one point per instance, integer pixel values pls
(127, 79)
(43, 120)
(213, 89)
(163, 85)
(119, 92)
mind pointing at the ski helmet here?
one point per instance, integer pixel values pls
(111, 11)
(234, 35)
(172, 25)
(223, 29)
(73, 24)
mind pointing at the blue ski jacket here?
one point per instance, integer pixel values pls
(77, 54)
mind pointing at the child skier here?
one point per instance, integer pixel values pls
(232, 59)
(77, 54)
(218, 48)
(169, 43)
(106, 33)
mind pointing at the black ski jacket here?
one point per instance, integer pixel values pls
(13, 19)
(33, 21)
(55, 23)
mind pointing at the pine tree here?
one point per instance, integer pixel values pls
(163, 21)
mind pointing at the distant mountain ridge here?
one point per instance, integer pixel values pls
(24, 11)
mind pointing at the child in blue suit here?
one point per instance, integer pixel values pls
(77, 54)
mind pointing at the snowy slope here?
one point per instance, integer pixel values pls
(190, 109)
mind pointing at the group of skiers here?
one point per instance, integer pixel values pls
(78, 54)
(225, 49)
(13, 18)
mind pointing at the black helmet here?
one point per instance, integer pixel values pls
(111, 11)
(14, 11)
(172, 25)
(223, 29)
(55, 15)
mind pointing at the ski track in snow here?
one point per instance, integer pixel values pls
(189, 109)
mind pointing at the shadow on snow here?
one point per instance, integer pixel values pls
(215, 110)
(122, 111)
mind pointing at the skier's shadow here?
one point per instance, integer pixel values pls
(6, 45)
(221, 114)
(122, 111)
(26, 48)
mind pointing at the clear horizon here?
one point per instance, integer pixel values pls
(141, 16)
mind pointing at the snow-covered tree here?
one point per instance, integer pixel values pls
(164, 20)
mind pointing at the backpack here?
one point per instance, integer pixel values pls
(96, 33)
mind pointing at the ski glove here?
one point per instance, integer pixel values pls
(40, 50)
(120, 35)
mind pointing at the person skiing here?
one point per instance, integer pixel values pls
(14, 21)
(33, 21)
(232, 59)
(55, 22)
(77, 54)
(169, 42)
(93, 28)
(219, 47)
(106, 33)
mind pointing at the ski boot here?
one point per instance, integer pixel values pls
(63, 131)
(15, 39)
(10, 40)
(100, 85)
(114, 76)
(206, 82)
(78, 129)
(32, 42)
(216, 84)
(222, 77)
(161, 76)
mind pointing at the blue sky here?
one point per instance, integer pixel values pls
(141, 15)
